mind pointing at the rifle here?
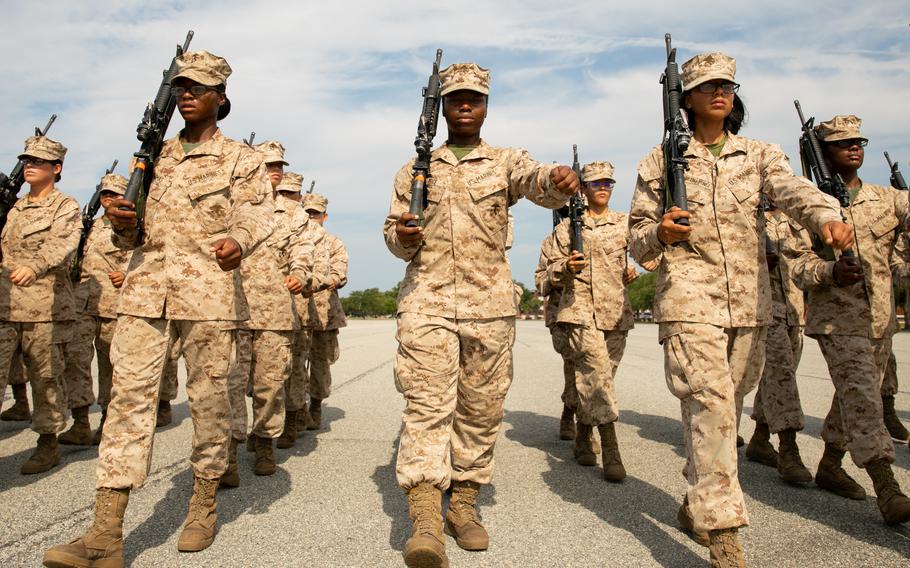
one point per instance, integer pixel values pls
(576, 209)
(676, 136)
(11, 184)
(426, 131)
(312, 186)
(88, 219)
(815, 168)
(150, 132)
(249, 142)
(897, 178)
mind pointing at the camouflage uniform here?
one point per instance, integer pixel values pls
(36, 320)
(713, 299)
(456, 309)
(175, 291)
(777, 399)
(326, 316)
(558, 333)
(900, 273)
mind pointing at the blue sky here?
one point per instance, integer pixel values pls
(339, 85)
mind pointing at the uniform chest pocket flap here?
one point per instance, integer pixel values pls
(615, 242)
(210, 198)
(38, 225)
(883, 226)
(491, 203)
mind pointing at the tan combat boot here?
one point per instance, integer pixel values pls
(164, 416)
(567, 424)
(613, 469)
(231, 477)
(426, 548)
(265, 457)
(96, 438)
(289, 436)
(46, 455)
(760, 449)
(19, 411)
(80, 433)
(831, 476)
(895, 429)
(102, 544)
(315, 421)
(462, 522)
(790, 465)
(251, 442)
(726, 552)
(583, 453)
(688, 525)
(199, 529)
(894, 505)
(303, 418)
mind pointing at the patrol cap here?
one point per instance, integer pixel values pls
(291, 182)
(470, 76)
(597, 170)
(315, 202)
(272, 151)
(706, 67)
(841, 127)
(115, 183)
(44, 148)
(203, 67)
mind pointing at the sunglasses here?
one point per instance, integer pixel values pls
(35, 162)
(600, 185)
(709, 88)
(849, 143)
(195, 90)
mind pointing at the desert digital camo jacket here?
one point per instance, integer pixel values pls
(95, 294)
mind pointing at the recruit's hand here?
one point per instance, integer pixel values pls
(116, 278)
(630, 275)
(837, 234)
(227, 253)
(408, 236)
(651, 265)
(293, 285)
(120, 219)
(668, 232)
(565, 180)
(847, 271)
(576, 262)
(23, 276)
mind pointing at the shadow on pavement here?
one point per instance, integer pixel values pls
(633, 505)
(394, 500)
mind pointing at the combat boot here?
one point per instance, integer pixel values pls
(96, 439)
(688, 525)
(760, 449)
(832, 477)
(315, 421)
(303, 418)
(725, 550)
(19, 411)
(164, 416)
(790, 465)
(251, 442)
(289, 436)
(567, 424)
(426, 547)
(199, 529)
(462, 522)
(613, 468)
(265, 457)
(102, 544)
(46, 455)
(80, 433)
(892, 422)
(894, 505)
(231, 477)
(583, 453)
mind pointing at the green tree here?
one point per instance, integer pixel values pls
(641, 292)
(529, 304)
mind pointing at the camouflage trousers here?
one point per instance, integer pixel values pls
(889, 384)
(704, 365)
(17, 371)
(560, 338)
(454, 375)
(265, 356)
(169, 383)
(90, 335)
(295, 388)
(140, 352)
(595, 354)
(777, 399)
(40, 345)
(324, 352)
(855, 421)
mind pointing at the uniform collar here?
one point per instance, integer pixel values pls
(611, 218)
(866, 193)
(483, 151)
(733, 145)
(214, 146)
(50, 200)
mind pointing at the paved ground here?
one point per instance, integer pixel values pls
(334, 500)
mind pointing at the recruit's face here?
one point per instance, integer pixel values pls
(464, 112)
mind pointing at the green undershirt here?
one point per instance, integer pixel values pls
(190, 146)
(461, 151)
(852, 193)
(717, 147)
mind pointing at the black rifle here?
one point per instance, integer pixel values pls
(426, 131)
(312, 187)
(815, 168)
(11, 184)
(897, 178)
(576, 208)
(676, 136)
(150, 132)
(88, 219)
(249, 142)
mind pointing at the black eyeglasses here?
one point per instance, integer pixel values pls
(709, 88)
(35, 162)
(850, 142)
(195, 90)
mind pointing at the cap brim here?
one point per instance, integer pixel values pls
(198, 76)
(836, 137)
(286, 190)
(40, 155)
(710, 77)
(597, 178)
(464, 87)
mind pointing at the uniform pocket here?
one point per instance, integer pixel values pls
(210, 199)
(682, 377)
(491, 205)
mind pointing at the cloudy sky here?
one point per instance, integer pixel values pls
(339, 84)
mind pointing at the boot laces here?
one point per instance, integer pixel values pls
(425, 514)
(463, 501)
